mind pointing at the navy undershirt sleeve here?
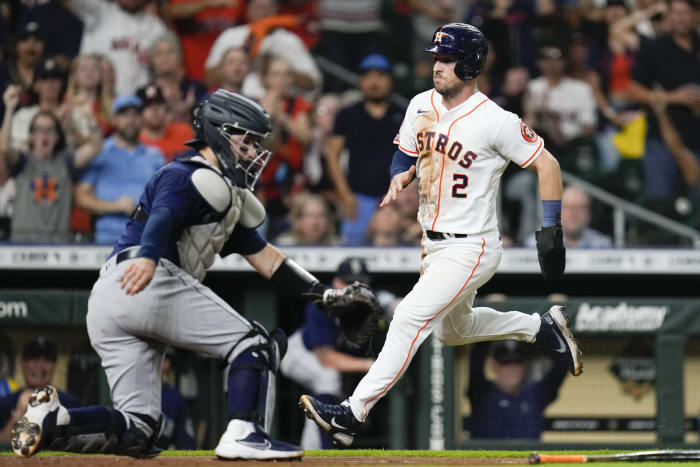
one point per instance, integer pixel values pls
(401, 162)
(159, 227)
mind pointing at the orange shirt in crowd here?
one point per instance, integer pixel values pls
(172, 142)
(197, 34)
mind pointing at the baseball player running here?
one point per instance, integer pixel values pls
(149, 295)
(458, 143)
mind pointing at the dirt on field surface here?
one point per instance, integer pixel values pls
(104, 461)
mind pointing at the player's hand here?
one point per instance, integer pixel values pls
(397, 185)
(137, 275)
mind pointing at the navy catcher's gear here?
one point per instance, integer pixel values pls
(226, 114)
(466, 44)
(252, 378)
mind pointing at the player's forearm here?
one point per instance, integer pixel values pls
(549, 176)
(283, 272)
(344, 362)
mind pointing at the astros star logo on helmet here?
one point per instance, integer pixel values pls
(439, 35)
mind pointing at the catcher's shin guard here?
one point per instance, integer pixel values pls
(251, 383)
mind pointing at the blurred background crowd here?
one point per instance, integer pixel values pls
(98, 94)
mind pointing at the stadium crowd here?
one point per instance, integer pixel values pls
(98, 94)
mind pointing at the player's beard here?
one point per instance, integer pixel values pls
(450, 91)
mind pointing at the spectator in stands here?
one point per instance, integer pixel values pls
(123, 32)
(324, 114)
(62, 29)
(43, 174)
(366, 130)
(113, 182)
(291, 122)
(38, 364)
(575, 220)
(88, 99)
(350, 32)
(49, 86)
(562, 110)
(511, 406)
(233, 69)
(384, 229)
(7, 201)
(199, 23)
(8, 384)
(20, 63)
(266, 34)
(318, 354)
(687, 161)
(672, 61)
(407, 204)
(181, 93)
(178, 430)
(312, 224)
(156, 130)
(109, 77)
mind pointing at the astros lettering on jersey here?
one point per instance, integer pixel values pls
(462, 153)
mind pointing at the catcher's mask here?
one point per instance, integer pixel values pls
(236, 129)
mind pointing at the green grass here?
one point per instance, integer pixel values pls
(366, 453)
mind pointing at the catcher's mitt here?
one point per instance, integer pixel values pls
(356, 308)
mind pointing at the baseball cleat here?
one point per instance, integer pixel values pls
(29, 431)
(245, 440)
(336, 419)
(555, 334)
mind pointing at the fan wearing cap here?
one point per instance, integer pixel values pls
(38, 363)
(558, 107)
(366, 130)
(118, 175)
(49, 87)
(318, 354)
(156, 129)
(24, 55)
(511, 405)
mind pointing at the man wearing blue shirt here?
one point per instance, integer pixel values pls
(119, 173)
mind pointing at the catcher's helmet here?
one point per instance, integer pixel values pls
(223, 115)
(466, 44)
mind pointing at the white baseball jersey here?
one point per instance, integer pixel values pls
(125, 38)
(462, 154)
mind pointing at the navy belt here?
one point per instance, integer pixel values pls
(129, 253)
(431, 234)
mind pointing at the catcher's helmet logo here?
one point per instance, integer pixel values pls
(528, 135)
(439, 35)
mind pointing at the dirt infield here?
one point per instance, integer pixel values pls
(183, 461)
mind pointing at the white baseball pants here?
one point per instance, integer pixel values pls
(452, 272)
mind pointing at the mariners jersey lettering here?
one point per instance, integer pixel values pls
(462, 154)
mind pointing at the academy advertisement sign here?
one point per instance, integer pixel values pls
(620, 317)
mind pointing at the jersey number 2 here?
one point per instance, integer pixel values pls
(461, 182)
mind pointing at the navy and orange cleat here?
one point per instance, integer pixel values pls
(555, 334)
(336, 419)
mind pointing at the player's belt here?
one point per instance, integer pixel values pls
(443, 235)
(111, 263)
